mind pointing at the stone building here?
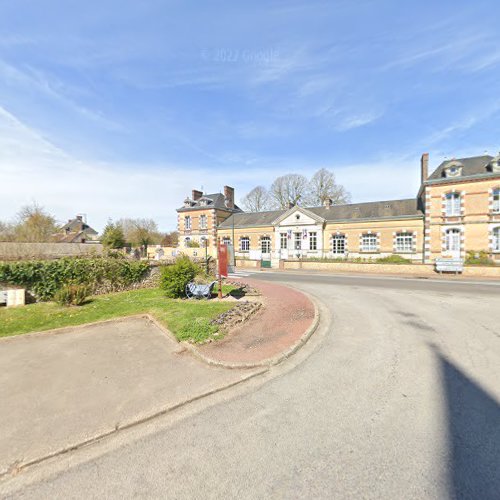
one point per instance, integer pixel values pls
(456, 210)
(201, 215)
(77, 231)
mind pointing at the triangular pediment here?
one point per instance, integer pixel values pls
(297, 216)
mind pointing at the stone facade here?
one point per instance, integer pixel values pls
(456, 210)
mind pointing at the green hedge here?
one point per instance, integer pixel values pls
(45, 277)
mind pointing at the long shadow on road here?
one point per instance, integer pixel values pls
(474, 436)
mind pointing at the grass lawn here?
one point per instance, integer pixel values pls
(186, 319)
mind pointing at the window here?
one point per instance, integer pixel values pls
(452, 240)
(283, 241)
(203, 242)
(313, 241)
(265, 244)
(452, 204)
(297, 241)
(245, 244)
(496, 239)
(187, 242)
(187, 222)
(203, 221)
(404, 243)
(369, 243)
(338, 244)
(496, 201)
(226, 240)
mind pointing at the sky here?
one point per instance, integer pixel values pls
(116, 108)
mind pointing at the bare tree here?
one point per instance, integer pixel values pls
(257, 200)
(323, 187)
(140, 232)
(34, 224)
(289, 189)
(6, 231)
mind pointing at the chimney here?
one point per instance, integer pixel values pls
(229, 196)
(196, 195)
(79, 217)
(327, 203)
(424, 164)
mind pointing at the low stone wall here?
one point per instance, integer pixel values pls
(27, 251)
(367, 268)
(247, 263)
(482, 271)
(363, 268)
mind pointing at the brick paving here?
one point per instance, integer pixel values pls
(284, 318)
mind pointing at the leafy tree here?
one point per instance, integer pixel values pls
(170, 239)
(257, 200)
(323, 187)
(34, 224)
(289, 189)
(112, 236)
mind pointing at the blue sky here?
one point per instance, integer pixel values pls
(120, 108)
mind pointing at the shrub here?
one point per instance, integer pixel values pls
(478, 258)
(393, 259)
(175, 277)
(71, 295)
(45, 277)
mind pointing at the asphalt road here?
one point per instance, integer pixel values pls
(396, 396)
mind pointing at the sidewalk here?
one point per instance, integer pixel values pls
(286, 318)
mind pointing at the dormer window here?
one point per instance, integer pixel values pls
(187, 203)
(454, 169)
(494, 165)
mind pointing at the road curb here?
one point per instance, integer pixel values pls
(20, 466)
(269, 361)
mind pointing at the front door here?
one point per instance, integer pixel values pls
(452, 243)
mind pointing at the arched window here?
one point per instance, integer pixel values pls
(452, 204)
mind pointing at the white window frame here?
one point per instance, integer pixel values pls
(283, 241)
(226, 240)
(265, 244)
(496, 201)
(369, 242)
(297, 241)
(447, 240)
(403, 242)
(338, 242)
(203, 221)
(187, 222)
(313, 240)
(245, 244)
(453, 204)
(495, 235)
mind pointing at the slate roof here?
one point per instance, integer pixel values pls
(475, 165)
(215, 200)
(370, 210)
(249, 219)
(77, 225)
